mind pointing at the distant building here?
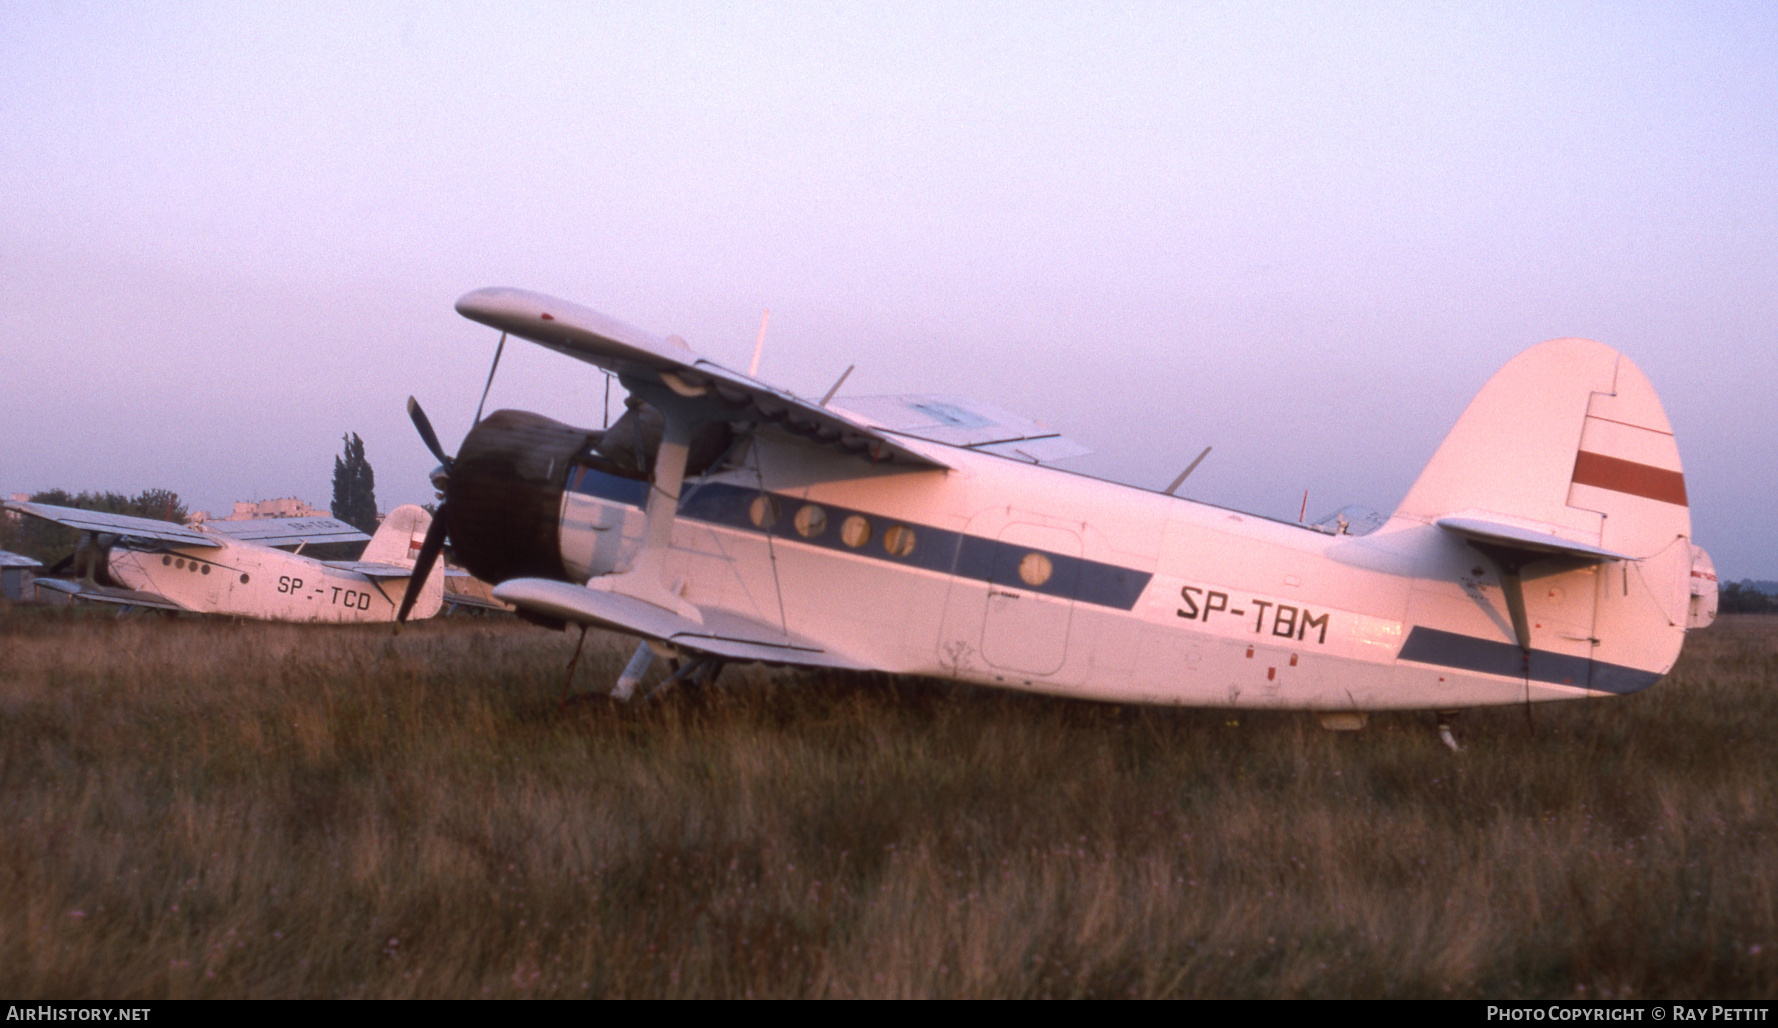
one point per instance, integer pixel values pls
(284, 507)
(255, 510)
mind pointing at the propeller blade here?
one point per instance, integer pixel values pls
(429, 550)
(430, 437)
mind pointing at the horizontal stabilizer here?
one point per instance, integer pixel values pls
(1531, 541)
(722, 634)
(371, 568)
(115, 524)
(107, 594)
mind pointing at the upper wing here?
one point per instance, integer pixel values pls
(637, 355)
(115, 524)
(289, 531)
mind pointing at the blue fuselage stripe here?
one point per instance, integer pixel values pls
(1490, 657)
(934, 549)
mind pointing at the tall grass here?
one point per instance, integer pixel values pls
(193, 808)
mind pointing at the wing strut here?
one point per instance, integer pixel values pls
(1510, 561)
(644, 578)
(1511, 547)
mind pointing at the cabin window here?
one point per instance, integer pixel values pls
(1035, 569)
(166, 560)
(855, 531)
(811, 521)
(764, 511)
(180, 563)
(206, 569)
(898, 540)
(243, 578)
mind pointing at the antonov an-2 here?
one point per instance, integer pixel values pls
(235, 567)
(1545, 553)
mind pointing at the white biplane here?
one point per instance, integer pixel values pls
(236, 568)
(1545, 553)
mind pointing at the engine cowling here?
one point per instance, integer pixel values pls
(506, 485)
(505, 494)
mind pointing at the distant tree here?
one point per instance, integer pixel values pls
(159, 503)
(354, 487)
(1743, 598)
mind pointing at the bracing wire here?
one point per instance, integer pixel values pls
(498, 350)
(771, 549)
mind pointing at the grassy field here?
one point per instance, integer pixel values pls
(192, 808)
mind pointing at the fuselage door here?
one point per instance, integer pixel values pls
(1031, 598)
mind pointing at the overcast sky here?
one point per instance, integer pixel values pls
(1305, 234)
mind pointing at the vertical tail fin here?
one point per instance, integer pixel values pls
(398, 542)
(399, 537)
(1567, 447)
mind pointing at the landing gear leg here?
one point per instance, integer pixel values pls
(1445, 717)
(692, 673)
(633, 672)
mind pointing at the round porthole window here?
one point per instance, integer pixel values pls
(243, 578)
(811, 521)
(166, 560)
(206, 569)
(764, 511)
(855, 531)
(1035, 569)
(898, 540)
(180, 563)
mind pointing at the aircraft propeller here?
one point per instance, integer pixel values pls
(441, 521)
